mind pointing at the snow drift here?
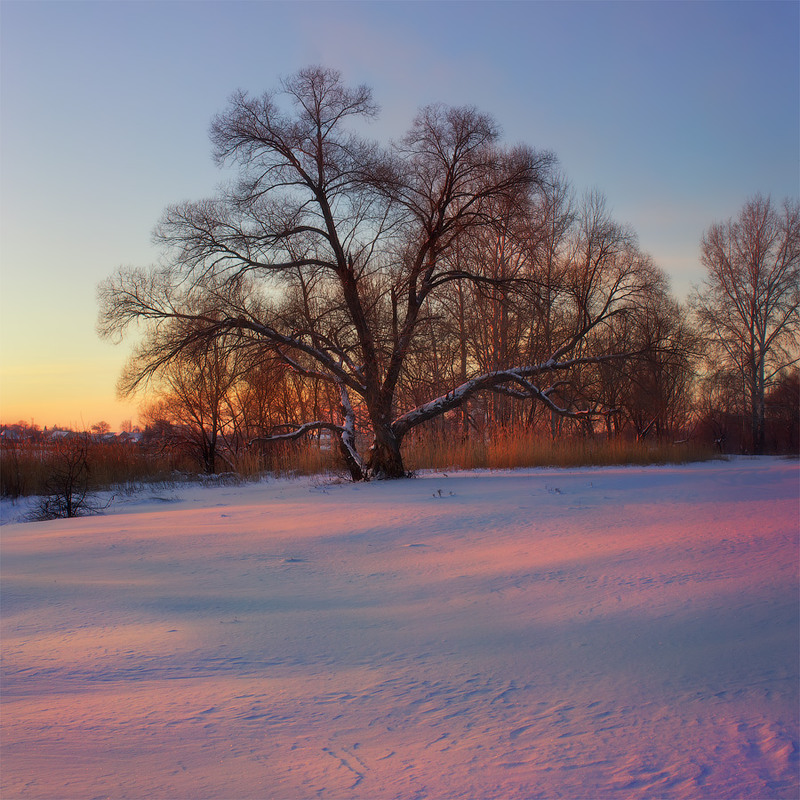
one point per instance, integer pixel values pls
(626, 632)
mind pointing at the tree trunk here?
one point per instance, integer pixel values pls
(760, 440)
(758, 426)
(210, 454)
(385, 459)
(756, 414)
(353, 466)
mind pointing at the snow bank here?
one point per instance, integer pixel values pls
(626, 632)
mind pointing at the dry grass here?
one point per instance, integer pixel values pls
(515, 449)
(28, 469)
(287, 459)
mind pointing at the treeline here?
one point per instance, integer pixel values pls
(365, 305)
(230, 406)
(444, 286)
(177, 440)
(229, 419)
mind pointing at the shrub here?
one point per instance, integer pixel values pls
(67, 492)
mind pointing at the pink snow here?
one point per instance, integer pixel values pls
(585, 633)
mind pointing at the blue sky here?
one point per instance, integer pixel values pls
(678, 112)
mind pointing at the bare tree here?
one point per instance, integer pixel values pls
(355, 244)
(101, 428)
(67, 490)
(749, 306)
(195, 391)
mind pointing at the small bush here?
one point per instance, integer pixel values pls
(67, 492)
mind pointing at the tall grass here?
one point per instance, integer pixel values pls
(508, 449)
(28, 468)
(287, 459)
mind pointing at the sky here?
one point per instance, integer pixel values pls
(677, 112)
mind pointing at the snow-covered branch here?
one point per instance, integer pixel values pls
(490, 381)
(299, 431)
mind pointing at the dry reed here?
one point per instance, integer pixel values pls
(25, 468)
(515, 449)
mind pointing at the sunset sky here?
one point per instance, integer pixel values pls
(677, 112)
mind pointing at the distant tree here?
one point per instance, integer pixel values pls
(193, 390)
(348, 253)
(748, 307)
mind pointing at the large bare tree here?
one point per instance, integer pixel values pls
(332, 255)
(749, 306)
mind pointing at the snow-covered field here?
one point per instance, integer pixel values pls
(584, 633)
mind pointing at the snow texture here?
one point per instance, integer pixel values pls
(584, 633)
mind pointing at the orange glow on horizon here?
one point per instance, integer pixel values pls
(73, 395)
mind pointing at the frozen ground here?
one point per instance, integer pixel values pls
(587, 633)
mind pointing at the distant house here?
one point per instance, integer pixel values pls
(130, 437)
(57, 434)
